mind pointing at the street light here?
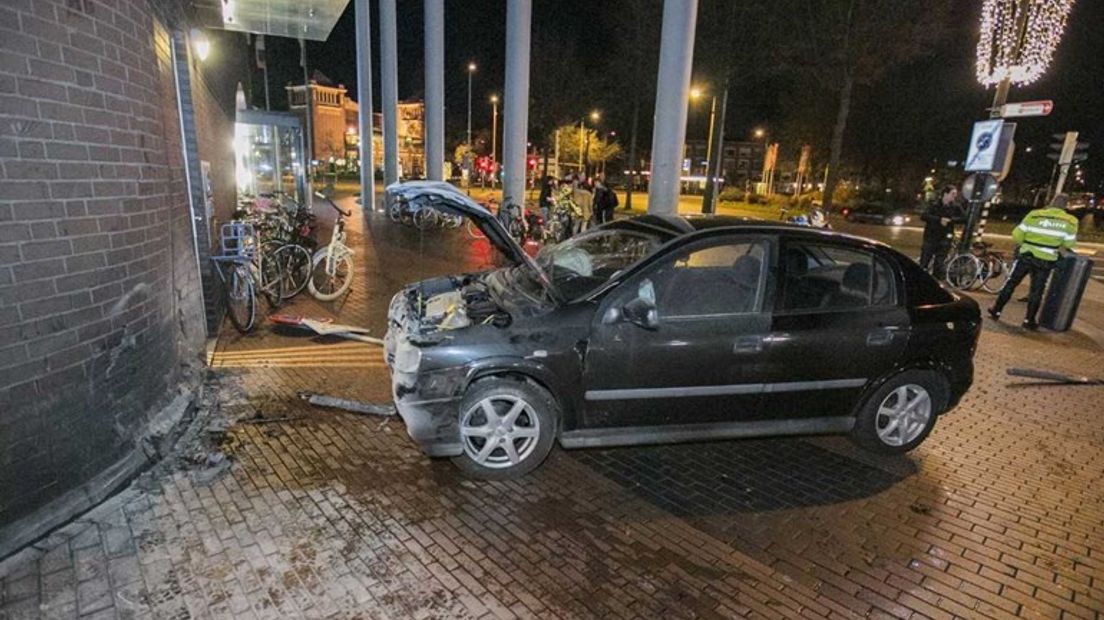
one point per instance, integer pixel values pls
(494, 136)
(584, 155)
(471, 70)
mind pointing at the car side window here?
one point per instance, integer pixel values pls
(721, 279)
(827, 277)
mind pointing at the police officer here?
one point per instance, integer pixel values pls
(1039, 238)
(939, 220)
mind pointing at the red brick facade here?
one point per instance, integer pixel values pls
(100, 301)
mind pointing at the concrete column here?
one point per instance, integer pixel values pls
(389, 87)
(515, 125)
(364, 106)
(435, 89)
(676, 55)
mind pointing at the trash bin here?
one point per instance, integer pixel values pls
(1067, 284)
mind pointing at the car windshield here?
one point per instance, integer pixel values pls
(581, 264)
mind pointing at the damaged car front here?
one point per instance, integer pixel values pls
(438, 327)
(486, 368)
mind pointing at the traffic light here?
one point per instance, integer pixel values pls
(1069, 150)
(532, 163)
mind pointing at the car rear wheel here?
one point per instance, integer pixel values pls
(901, 413)
(507, 427)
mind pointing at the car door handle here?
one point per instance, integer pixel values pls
(748, 344)
(880, 337)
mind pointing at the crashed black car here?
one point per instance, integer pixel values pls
(663, 329)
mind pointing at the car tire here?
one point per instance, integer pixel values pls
(531, 433)
(901, 413)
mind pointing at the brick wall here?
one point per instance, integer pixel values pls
(100, 301)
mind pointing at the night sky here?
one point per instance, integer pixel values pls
(919, 112)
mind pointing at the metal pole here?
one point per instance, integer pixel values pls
(364, 107)
(676, 55)
(309, 133)
(435, 89)
(716, 156)
(389, 85)
(519, 14)
(494, 139)
(582, 132)
(469, 105)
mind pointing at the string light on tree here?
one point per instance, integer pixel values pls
(1018, 38)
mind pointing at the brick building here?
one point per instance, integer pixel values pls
(335, 127)
(113, 146)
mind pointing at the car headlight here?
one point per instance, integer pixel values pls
(898, 220)
(407, 357)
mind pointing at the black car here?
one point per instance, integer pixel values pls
(663, 329)
(878, 213)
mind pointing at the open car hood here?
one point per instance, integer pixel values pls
(448, 199)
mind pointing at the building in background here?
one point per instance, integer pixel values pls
(741, 162)
(335, 131)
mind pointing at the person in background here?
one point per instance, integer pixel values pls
(547, 198)
(1040, 238)
(584, 198)
(939, 219)
(605, 200)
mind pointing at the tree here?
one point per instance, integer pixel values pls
(573, 141)
(841, 44)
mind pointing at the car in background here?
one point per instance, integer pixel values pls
(660, 329)
(878, 213)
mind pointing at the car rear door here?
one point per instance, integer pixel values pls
(837, 324)
(698, 363)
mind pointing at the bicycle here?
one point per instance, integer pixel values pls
(238, 244)
(981, 267)
(332, 266)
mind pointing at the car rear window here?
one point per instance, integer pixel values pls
(828, 277)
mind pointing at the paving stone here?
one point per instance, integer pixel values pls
(328, 514)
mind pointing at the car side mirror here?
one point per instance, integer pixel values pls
(642, 313)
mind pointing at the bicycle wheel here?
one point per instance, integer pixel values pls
(394, 211)
(241, 300)
(473, 230)
(996, 273)
(425, 218)
(270, 280)
(330, 277)
(963, 271)
(295, 267)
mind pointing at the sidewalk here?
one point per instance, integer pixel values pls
(273, 508)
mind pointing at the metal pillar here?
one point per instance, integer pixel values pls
(515, 106)
(435, 89)
(364, 106)
(389, 91)
(676, 55)
(716, 155)
(309, 129)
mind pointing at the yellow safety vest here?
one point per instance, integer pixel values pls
(1045, 231)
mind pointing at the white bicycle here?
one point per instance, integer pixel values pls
(332, 265)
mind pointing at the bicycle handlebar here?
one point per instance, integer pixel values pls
(332, 204)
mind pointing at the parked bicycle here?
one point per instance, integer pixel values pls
(982, 267)
(242, 275)
(285, 230)
(332, 265)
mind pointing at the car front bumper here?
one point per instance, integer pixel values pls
(429, 404)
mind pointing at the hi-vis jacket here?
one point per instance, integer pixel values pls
(1045, 231)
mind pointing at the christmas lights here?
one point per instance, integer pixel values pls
(1018, 38)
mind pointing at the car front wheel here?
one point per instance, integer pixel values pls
(901, 413)
(507, 427)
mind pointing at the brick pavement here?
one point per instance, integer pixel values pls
(317, 513)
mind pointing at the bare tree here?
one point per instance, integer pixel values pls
(841, 44)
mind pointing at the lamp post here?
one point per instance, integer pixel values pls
(595, 116)
(761, 134)
(471, 70)
(494, 137)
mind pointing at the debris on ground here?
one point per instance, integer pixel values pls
(326, 327)
(355, 406)
(1056, 377)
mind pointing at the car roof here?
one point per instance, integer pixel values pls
(676, 226)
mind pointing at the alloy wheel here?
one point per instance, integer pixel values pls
(903, 415)
(499, 431)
